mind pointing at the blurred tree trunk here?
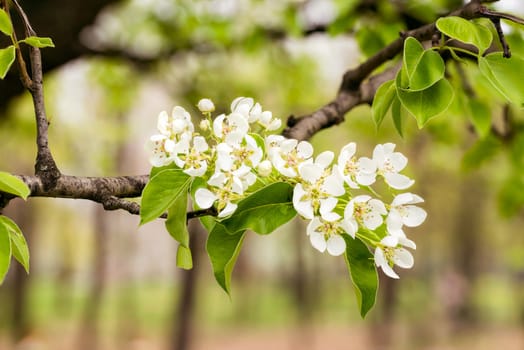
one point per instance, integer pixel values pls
(89, 327)
(466, 245)
(185, 309)
(381, 330)
(20, 322)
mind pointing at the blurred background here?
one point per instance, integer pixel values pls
(98, 281)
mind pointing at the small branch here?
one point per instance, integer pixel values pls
(353, 91)
(502, 38)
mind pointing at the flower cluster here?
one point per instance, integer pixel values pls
(234, 151)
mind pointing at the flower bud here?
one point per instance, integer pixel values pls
(205, 105)
(204, 124)
(264, 168)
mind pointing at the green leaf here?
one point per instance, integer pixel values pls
(12, 184)
(223, 249)
(466, 31)
(397, 115)
(5, 251)
(161, 192)
(19, 246)
(37, 41)
(176, 223)
(7, 57)
(503, 74)
(426, 104)
(423, 68)
(263, 211)
(363, 273)
(382, 101)
(480, 115)
(184, 260)
(6, 26)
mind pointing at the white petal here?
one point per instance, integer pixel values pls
(398, 161)
(324, 159)
(318, 241)
(218, 125)
(310, 172)
(363, 198)
(407, 242)
(378, 206)
(336, 245)
(403, 258)
(326, 209)
(372, 220)
(398, 181)
(367, 165)
(304, 208)
(390, 241)
(200, 144)
(366, 179)
(217, 179)
(228, 210)
(380, 261)
(415, 216)
(304, 149)
(350, 226)
(205, 198)
(346, 153)
(334, 184)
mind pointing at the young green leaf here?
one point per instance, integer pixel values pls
(5, 251)
(363, 273)
(466, 31)
(37, 41)
(184, 260)
(223, 249)
(263, 211)
(161, 192)
(423, 68)
(382, 101)
(7, 57)
(19, 246)
(502, 73)
(176, 219)
(426, 104)
(12, 184)
(6, 26)
(397, 115)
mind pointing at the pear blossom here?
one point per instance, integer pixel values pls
(389, 163)
(204, 198)
(326, 235)
(287, 154)
(158, 145)
(205, 105)
(194, 160)
(366, 211)
(391, 252)
(355, 172)
(403, 212)
(231, 128)
(264, 168)
(318, 188)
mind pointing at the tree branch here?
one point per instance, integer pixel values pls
(353, 91)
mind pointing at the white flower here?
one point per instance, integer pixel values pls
(366, 211)
(403, 212)
(157, 146)
(355, 172)
(205, 105)
(231, 128)
(287, 154)
(389, 163)
(318, 188)
(327, 235)
(391, 252)
(194, 159)
(204, 125)
(204, 198)
(266, 120)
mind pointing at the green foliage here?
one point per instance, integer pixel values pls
(466, 31)
(422, 68)
(363, 273)
(482, 151)
(263, 211)
(223, 249)
(502, 74)
(382, 101)
(12, 243)
(12, 184)
(37, 41)
(176, 225)
(161, 192)
(19, 247)
(184, 259)
(6, 26)
(7, 57)
(480, 116)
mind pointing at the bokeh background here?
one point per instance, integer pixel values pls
(98, 281)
